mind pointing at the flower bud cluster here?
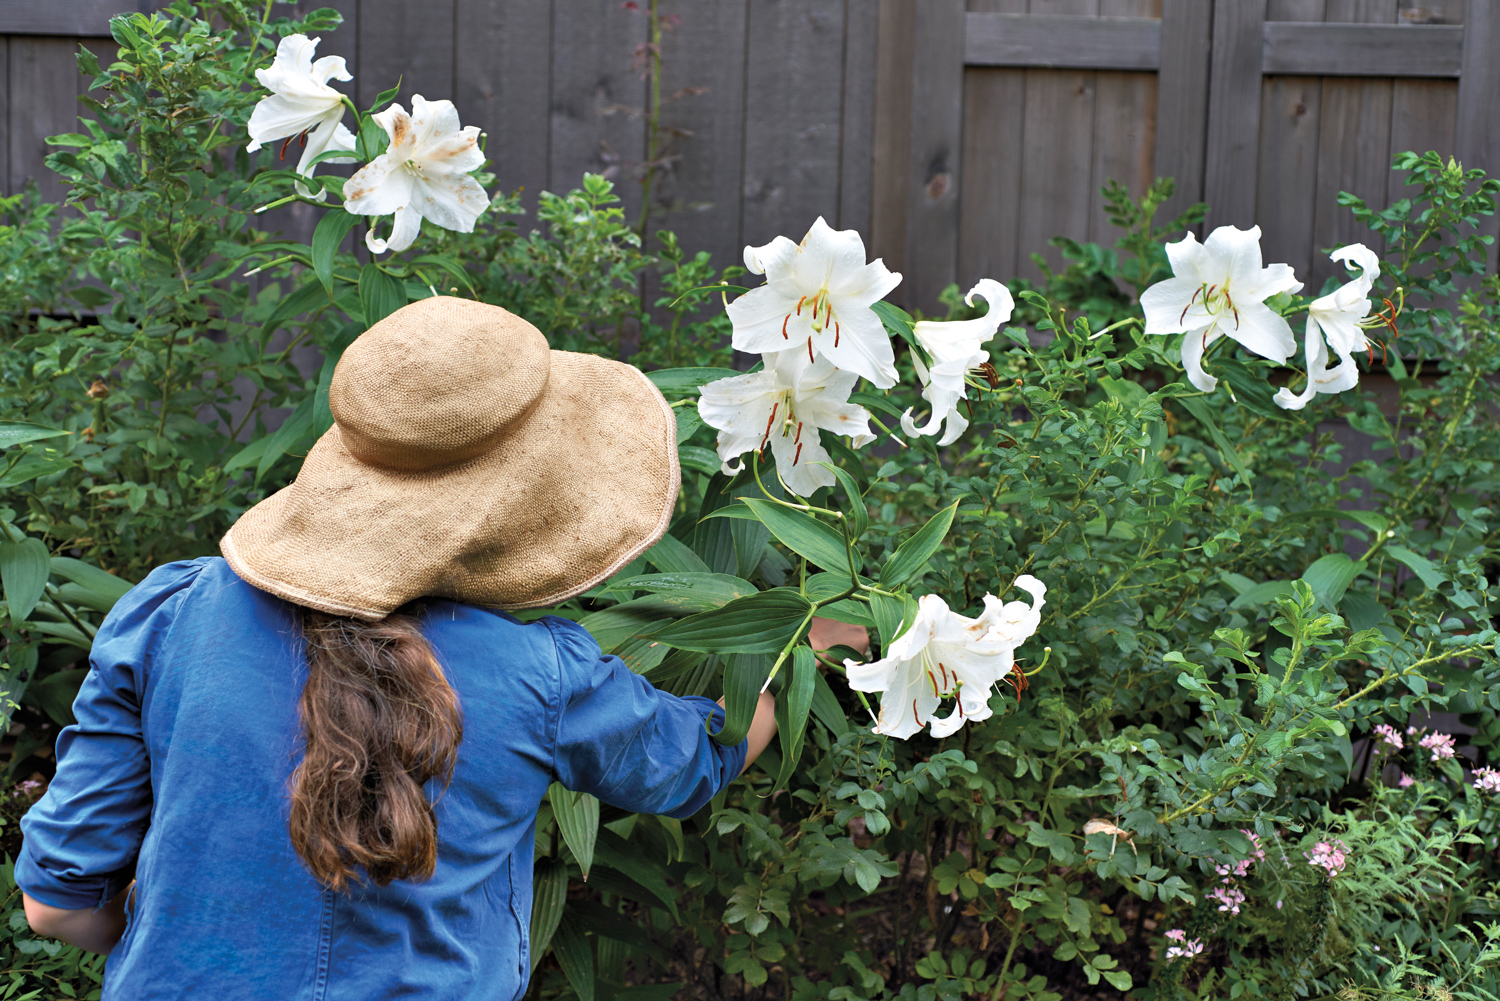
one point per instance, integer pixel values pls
(1330, 856)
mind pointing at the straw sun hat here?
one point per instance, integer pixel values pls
(468, 461)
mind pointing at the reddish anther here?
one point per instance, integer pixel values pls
(285, 143)
(798, 455)
(798, 440)
(809, 350)
(914, 714)
(835, 333)
(799, 305)
(769, 421)
(783, 326)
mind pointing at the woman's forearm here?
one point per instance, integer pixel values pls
(93, 929)
(762, 727)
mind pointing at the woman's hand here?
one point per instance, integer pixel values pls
(93, 929)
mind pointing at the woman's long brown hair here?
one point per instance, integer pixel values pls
(380, 721)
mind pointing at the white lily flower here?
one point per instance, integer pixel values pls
(302, 104)
(1337, 317)
(817, 299)
(955, 349)
(785, 405)
(423, 174)
(945, 653)
(1220, 290)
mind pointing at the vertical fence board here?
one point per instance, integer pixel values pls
(1056, 171)
(1353, 147)
(502, 83)
(1182, 100)
(1234, 112)
(1424, 113)
(411, 40)
(990, 200)
(792, 135)
(5, 185)
(695, 195)
(1478, 138)
(892, 133)
(936, 146)
(1295, 10)
(43, 97)
(597, 97)
(1286, 170)
(856, 144)
(1124, 126)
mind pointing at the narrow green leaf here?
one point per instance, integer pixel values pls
(892, 617)
(688, 421)
(803, 534)
(330, 232)
(571, 947)
(759, 623)
(858, 514)
(670, 555)
(380, 295)
(308, 297)
(697, 592)
(105, 587)
(577, 815)
(24, 568)
(549, 895)
(1331, 576)
(792, 710)
(745, 675)
(688, 380)
(711, 539)
(912, 555)
(384, 97)
(612, 851)
(698, 459)
(296, 428)
(249, 455)
(1419, 565)
(448, 265)
(872, 401)
(1195, 406)
(20, 432)
(825, 706)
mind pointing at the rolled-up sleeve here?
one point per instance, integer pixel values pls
(82, 838)
(629, 744)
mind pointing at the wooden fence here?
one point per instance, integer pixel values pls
(958, 135)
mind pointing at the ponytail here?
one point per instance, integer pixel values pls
(379, 720)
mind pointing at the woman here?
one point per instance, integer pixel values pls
(290, 777)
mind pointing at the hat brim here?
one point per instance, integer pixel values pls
(575, 490)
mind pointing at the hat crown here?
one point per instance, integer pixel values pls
(437, 382)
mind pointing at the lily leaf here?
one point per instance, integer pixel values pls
(803, 534)
(912, 555)
(763, 622)
(577, 815)
(24, 568)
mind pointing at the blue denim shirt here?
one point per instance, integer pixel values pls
(177, 770)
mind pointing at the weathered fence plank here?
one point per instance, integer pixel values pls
(597, 97)
(990, 202)
(796, 77)
(936, 148)
(892, 132)
(76, 18)
(502, 83)
(1381, 50)
(856, 146)
(1478, 133)
(5, 186)
(1286, 170)
(1124, 124)
(1060, 42)
(1182, 100)
(42, 90)
(1234, 112)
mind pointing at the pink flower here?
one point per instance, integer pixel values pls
(1331, 857)
(1487, 780)
(1406, 780)
(1440, 744)
(1389, 735)
(1412, 731)
(1187, 950)
(1177, 935)
(1229, 897)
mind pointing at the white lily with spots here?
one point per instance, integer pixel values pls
(955, 349)
(423, 174)
(783, 407)
(817, 299)
(1218, 290)
(302, 106)
(944, 653)
(1335, 321)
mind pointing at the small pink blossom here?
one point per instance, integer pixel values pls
(1389, 735)
(1187, 950)
(1229, 897)
(1487, 780)
(1177, 935)
(1440, 744)
(1412, 731)
(1406, 780)
(1330, 856)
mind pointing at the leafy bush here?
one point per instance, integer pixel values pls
(1188, 744)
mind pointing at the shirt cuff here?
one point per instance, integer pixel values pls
(79, 894)
(731, 757)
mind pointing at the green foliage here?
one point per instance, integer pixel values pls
(1231, 606)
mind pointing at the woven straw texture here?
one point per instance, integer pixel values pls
(467, 461)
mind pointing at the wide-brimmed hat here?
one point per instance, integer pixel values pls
(467, 460)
